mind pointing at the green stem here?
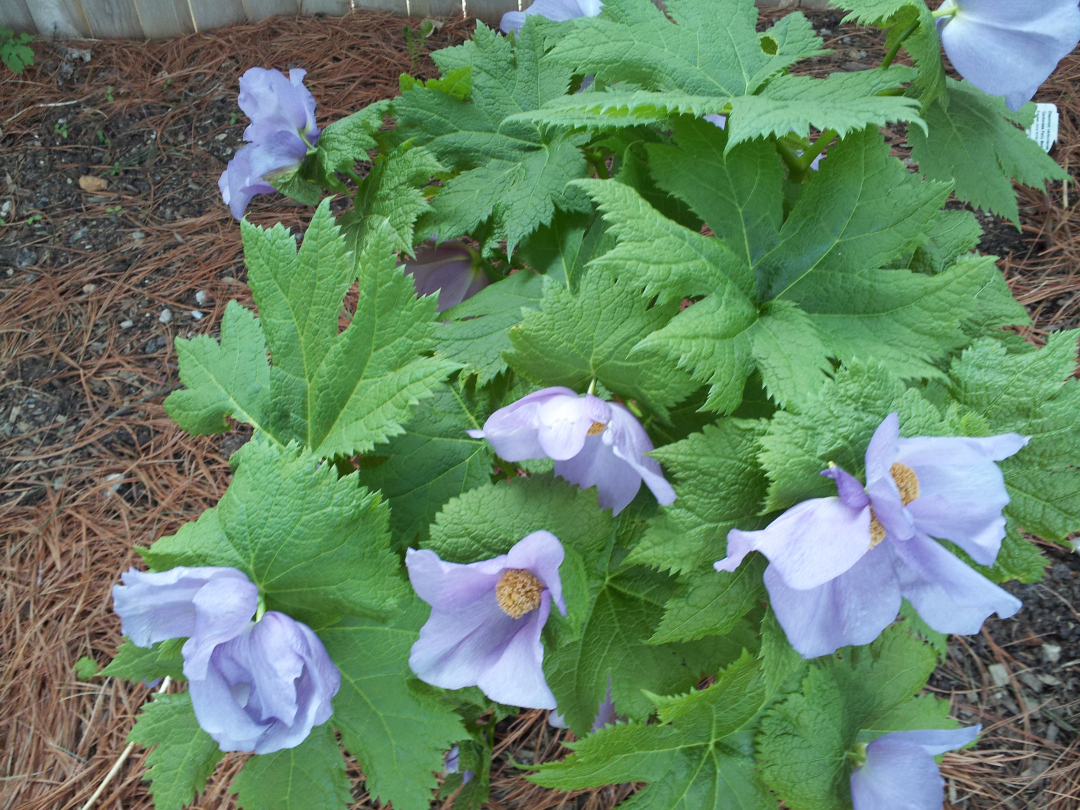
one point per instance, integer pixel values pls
(596, 160)
(354, 176)
(818, 147)
(789, 156)
(310, 149)
(261, 609)
(944, 12)
(895, 49)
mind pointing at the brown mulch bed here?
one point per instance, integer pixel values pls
(90, 466)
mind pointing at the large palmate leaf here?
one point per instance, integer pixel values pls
(511, 173)
(708, 58)
(310, 776)
(336, 393)
(318, 546)
(1032, 393)
(977, 141)
(396, 727)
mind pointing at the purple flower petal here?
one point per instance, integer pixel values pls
(557, 10)
(470, 639)
(267, 688)
(1010, 47)
(447, 270)
(897, 776)
(513, 431)
(565, 422)
(629, 442)
(961, 489)
(949, 595)
(274, 102)
(880, 485)
(223, 609)
(155, 607)
(851, 609)
(935, 741)
(810, 544)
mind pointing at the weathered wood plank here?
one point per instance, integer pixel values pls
(261, 9)
(113, 19)
(335, 8)
(164, 19)
(15, 14)
(207, 14)
(59, 18)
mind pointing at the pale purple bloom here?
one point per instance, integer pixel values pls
(593, 443)
(486, 618)
(605, 715)
(1009, 47)
(282, 130)
(255, 685)
(900, 773)
(557, 10)
(452, 270)
(452, 764)
(838, 567)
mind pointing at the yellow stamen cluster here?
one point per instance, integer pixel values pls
(518, 592)
(908, 484)
(596, 428)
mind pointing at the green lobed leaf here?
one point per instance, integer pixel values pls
(147, 663)
(696, 758)
(347, 141)
(318, 546)
(310, 776)
(855, 696)
(434, 461)
(977, 142)
(396, 727)
(477, 332)
(591, 334)
(184, 755)
(1032, 393)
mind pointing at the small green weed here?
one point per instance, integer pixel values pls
(114, 210)
(109, 93)
(33, 219)
(15, 50)
(414, 40)
(60, 128)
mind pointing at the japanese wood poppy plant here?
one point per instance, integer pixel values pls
(565, 290)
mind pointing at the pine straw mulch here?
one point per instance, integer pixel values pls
(90, 465)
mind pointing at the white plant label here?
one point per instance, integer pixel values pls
(1045, 129)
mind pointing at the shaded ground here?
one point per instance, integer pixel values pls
(90, 466)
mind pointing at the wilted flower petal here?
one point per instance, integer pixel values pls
(255, 686)
(557, 10)
(593, 443)
(900, 772)
(1009, 47)
(450, 269)
(486, 618)
(282, 113)
(839, 566)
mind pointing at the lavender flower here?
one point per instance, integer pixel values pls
(255, 686)
(486, 618)
(899, 772)
(593, 443)
(1008, 47)
(452, 270)
(838, 567)
(282, 131)
(557, 10)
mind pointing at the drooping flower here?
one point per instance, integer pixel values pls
(557, 10)
(282, 131)
(255, 685)
(593, 443)
(899, 772)
(486, 618)
(838, 567)
(451, 269)
(1008, 47)
(605, 715)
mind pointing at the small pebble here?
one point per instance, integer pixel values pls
(58, 483)
(89, 288)
(200, 297)
(114, 477)
(196, 315)
(165, 316)
(1051, 653)
(126, 324)
(999, 674)
(137, 235)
